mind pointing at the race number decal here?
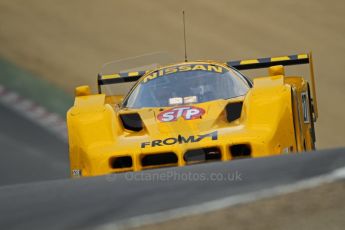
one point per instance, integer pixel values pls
(187, 112)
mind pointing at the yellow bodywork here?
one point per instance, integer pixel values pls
(273, 121)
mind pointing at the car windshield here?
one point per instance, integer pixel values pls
(186, 84)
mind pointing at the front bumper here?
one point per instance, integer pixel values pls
(110, 159)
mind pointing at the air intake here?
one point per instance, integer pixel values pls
(202, 155)
(121, 162)
(240, 151)
(233, 111)
(159, 159)
(132, 121)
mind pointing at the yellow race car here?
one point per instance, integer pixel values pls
(192, 112)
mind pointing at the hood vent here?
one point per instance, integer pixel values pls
(233, 111)
(132, 121)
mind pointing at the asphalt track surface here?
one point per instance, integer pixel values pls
(28, 152)
(89, 202)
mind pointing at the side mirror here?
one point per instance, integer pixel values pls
(276, 70)
(83, 90)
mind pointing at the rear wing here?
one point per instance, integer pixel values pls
(240, 65)
(297, 59)
(118, 78)
(270, 61)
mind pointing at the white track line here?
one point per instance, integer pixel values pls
(223, 202)
(35, 113)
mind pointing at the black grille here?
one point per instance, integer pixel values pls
(121, 162)
(201, 155)
(240, 151)
(159, 159)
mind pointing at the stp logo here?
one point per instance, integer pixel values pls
(187, 112)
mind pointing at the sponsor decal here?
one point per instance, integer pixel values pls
(187, 112)
(76, 172)
(181, 140)
(184, 68)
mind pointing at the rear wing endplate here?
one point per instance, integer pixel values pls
(297, 59)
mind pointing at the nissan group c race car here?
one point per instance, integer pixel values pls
(191, 112)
